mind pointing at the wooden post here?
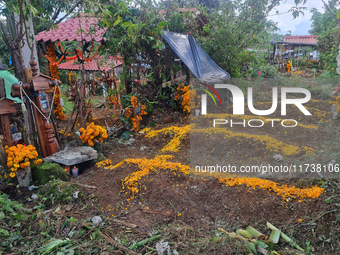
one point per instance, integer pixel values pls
(7, 107)
(188, 77)
(3, 152)
(28, 116)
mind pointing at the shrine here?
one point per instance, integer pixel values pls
(36, 90)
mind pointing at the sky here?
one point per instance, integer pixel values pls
(300, 25)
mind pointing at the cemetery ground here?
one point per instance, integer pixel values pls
(140, 196)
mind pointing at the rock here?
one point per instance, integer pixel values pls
(3, 66)
(128, 142)
(75, 194)
(334, 112)
(278, 157)
(46, 172)
(96, 220)
(143, 148)
(34, 196)
(131, 141)
(73, 156)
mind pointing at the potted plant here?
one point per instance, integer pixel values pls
(19, 159)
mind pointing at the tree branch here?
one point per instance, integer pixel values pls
(69, 12)
(330, 11)
(56, 14)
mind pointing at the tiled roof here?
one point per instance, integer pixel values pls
(91, 66)
(69, 31)
(309, 39)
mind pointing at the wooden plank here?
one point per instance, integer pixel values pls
(28, 73)
(2, 88)
(3, 152)
(40, 83)
(6, 130)
(7, 106)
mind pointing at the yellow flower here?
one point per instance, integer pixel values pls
(12, 174)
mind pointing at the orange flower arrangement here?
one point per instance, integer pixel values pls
(51, 57)
(92, 134)
(70, 74)
(59, 110)
(288, 66)
(183, 94)
(19, 156)
(112, 102)
(53, 66)
(130, 113)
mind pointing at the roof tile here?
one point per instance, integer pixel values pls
(310, 39)
(68, 30)
(91, 66)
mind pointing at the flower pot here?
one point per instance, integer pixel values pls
(98, 147)
(24, 176)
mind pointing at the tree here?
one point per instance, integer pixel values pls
(232, 29)
(136, 34)
(320, 22)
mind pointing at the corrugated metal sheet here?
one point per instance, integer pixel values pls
(309, 39)
(69, 31)
(9, 81)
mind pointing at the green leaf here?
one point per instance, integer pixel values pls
(4, 232)
(9, 208)
(338, 14)
(161, 24)
(117, 21)
(126, 135)
(261, 245)
(251, 247)
(107, 34)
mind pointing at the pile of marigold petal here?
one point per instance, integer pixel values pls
(147, 166)
(281, 190)
(175, 144)
(93, 134)
(337, 102)
(19, 156)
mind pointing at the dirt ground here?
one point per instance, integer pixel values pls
(200, 204)
(187, 210)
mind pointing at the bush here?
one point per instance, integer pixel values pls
(46, 172)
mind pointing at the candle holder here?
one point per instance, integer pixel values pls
(67, 169)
